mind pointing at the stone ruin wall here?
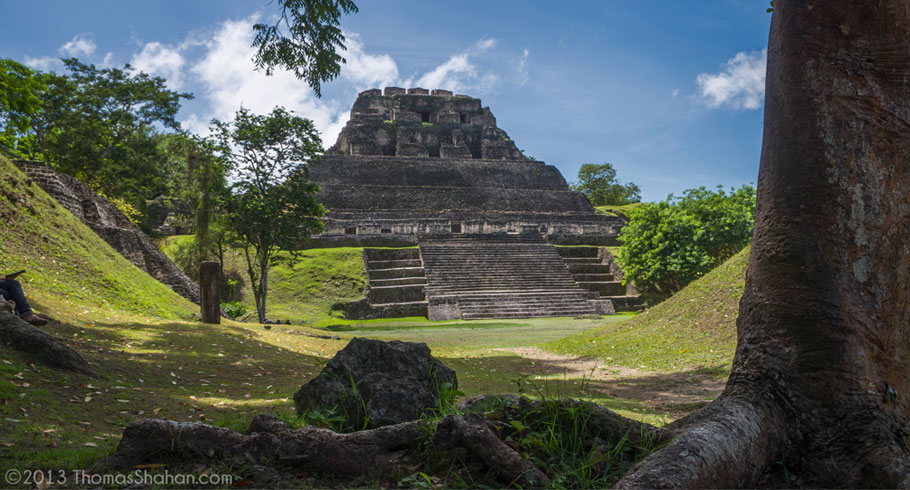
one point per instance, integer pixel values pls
(415, 163)
(437, 125)
(111, 225)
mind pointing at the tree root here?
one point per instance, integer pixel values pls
(472, 433)
(376, 453)
(47, 349)
(727, 444)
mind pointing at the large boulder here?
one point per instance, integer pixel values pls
(372, 383)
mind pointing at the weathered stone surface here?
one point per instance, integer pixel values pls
(379, 382)
(406, 166)
(168, 216)
(111, 225)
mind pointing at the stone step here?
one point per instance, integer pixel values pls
(498, 279)
(396, 294)
(605, 288)
(589, 252)
(627, 303)
(394, 264)
(373, 254)
(397, 310)
(602, 277)
(398, 282)
(582, 260)
(589, 268)
(397, 273)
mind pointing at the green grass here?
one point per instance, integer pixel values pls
(68, 266)
(694, 328)
(302, 292)
(154, 361)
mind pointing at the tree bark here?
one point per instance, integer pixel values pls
(820, 377)
(210, 289)
(46, 348)
(374, 452)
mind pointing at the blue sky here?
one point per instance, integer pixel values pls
(671, 93)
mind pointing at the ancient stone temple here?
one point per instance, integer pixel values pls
(433, 169)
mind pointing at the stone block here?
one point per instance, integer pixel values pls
(418, 91)
(443, 308)
(406, 116)
(603, 307)
(411, 150)
(442, 93)
(495, 150)
(389, 91)
(450, 117)
(373, 92)
(454, 151)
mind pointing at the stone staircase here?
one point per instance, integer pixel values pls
(502, 276)
(594, 269)
(397, 283)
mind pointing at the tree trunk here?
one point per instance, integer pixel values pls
(820, 379)
(263, 288)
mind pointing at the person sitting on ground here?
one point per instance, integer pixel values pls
(10, 289)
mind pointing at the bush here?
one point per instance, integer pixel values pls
(233, 309)
(668, 244)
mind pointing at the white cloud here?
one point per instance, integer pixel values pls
(366, 70)
(459, 72)
(80, 45)
(675, 93)
(160, 60)
(226, 73)
(485, 44)
(521, 68)
(46, 63)
(741, 85)
(450, 75)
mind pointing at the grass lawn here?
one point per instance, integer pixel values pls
(154, 360)
(694, 328)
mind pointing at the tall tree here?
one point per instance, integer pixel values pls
(305, 39)
(600, 184)
(820, 379)
(20, 102)
(273, 207)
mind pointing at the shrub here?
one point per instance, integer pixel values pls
(233, 309)
(668, 244)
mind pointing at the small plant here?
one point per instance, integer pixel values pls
(233, 309)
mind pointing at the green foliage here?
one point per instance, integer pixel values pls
(102, 126)
(20, 90)
(126, 208)
(600, 184)
(667, 245)
(567, 440)
(309, 49)
(273, 205)
(233, 309)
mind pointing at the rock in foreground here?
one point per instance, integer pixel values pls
(375, 383)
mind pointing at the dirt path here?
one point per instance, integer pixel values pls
(677, 393)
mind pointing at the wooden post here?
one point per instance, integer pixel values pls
(210, 286)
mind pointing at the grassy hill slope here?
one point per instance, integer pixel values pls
(151, 361)
(69, 268)
(696, 327)
(303, 292)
